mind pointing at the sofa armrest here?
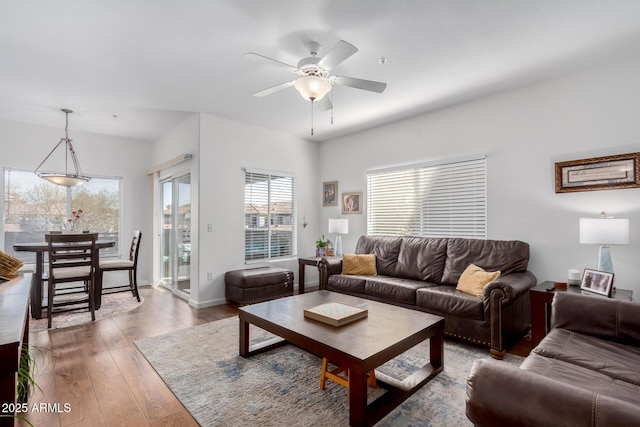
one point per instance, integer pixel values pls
(327, 267)
(597, 316)
(512, 286)
(501, 394)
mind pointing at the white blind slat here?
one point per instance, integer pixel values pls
(438, 200)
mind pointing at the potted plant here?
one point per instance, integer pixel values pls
(321, 245)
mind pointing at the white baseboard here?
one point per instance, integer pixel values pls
(210, 303)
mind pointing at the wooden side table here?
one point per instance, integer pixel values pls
(541, 299)
(312, 261)
(302, 263)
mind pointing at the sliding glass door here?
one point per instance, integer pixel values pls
(175, 234)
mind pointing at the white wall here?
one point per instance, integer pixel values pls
(226, 148)
(523, 133)
(24, 146)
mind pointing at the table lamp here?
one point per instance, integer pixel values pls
(338, 226)
(604, 231)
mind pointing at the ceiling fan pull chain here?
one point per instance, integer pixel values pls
(311, 117)
(332, 107)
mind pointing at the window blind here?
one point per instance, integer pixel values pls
(269, 216)
(446, 199)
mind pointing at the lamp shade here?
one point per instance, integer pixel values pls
(312, 88)
(604, 231)
(338, 225)
(65, 180)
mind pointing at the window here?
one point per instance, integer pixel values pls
(269, 216)
(33, 206)
(445, 199)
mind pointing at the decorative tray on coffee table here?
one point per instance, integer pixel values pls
(335, 313)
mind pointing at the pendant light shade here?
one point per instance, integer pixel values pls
(312, 88)
(66, 179)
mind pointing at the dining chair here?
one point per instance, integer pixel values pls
(130, 265)
(72, 258)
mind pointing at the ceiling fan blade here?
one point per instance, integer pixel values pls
(341, 51)
(273, 89)
(325, 103)
(270, 61)
(370, 85)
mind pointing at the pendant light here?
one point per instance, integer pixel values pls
(66, 179)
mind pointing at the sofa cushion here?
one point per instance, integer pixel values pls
(393, 288)
(508, 256)
(347, 284)
(360, 264)
(386, 250)
(615, 360)
(421, 258)
(446, 299)
(582, 378)
(474, 279)
(617, 319)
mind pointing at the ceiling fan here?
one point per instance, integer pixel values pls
(315, 79)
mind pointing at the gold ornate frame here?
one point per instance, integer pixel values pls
(598, 173)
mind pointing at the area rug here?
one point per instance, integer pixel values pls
(112, 305)
(280, 387)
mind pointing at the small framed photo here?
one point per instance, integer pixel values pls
(599, 282)
(330, 193)
(352, 203)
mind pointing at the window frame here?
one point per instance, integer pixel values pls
(108, 252)
(269, 222)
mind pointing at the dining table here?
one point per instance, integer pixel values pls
(37, 288)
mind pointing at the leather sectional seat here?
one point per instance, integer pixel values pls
(585, 372)
(422, 273)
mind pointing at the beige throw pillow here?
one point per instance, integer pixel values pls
(362, 264)
(474, 279)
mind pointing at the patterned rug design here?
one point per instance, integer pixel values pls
(112, 305)
(202, 367)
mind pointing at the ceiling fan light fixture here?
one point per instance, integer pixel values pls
(312, 88)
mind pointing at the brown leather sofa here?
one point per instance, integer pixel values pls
(422, 273)
(585, 372)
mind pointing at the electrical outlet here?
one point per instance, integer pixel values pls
(210, 228)
(209, 275)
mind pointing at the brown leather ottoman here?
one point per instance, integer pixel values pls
(258, 284)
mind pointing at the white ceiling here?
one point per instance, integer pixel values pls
(152, 63)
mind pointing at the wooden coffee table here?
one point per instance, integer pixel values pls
(361, 346)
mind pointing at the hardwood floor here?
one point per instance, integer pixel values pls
(98, 373)
(101, 377)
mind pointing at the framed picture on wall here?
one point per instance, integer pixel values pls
(330, 193)
(599, 282)
(598, 173)
(352, 203)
